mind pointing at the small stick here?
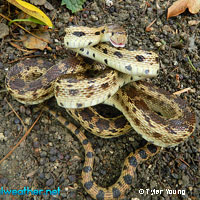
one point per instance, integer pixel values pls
(16, 114)
(182, 91)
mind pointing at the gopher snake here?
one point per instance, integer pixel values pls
(162, 119)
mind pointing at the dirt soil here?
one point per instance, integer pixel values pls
(52, 157)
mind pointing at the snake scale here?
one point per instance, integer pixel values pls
(164, 120)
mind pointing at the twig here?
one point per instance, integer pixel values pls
(22, 139)
(21, 49)
(24, 57)
(184, 162)
(148, 28)
(16, 114)
(182, 91)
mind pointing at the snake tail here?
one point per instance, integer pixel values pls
(117, 190)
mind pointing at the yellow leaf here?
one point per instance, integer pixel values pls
(32, 11)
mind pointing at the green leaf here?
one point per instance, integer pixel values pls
(30, 19)
(73, 5)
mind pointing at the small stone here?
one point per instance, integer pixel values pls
(3, 181)
(153, 184)
(67, 157)
(4, 30)
(40, 3)
(112, 9)
(175, 175)
(53, 158)
(72, 178)
(158, 44)
(22, 109)
(62, 194)
(94, 18)
(2, 137)
(28, 111)
(43, 154)
(190, 188)
(1, 65)
(50, 182)
(16, 121)
(72, 195)
(41, 175)
(36, 144)
(28, 121)
(60, 156)
(42, 161)
(185, 180)
(48, 6)
(180, 182)
(53, 151)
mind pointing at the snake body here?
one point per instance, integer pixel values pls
(162, 119)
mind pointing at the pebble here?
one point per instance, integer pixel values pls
(72, 178)
(48, 6)
(43, 154)
(41, 175)
(22, 109)
(174, 175)
(1, 65)
(153, 184)
(36, 144)
(94, 18)
(2, 137)
(40, 3)
(62, 194)
(4, 30)
(28, 121)
(158, 44)
(67, 157)
(16, 121)
(50, 182)
(53, 151)
(112, 9)
(28, 111)
(53, 158)
(72, 195)
(185, 180)
(3, 181)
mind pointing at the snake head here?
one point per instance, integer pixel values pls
(118, 36)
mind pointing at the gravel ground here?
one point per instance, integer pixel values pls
(51, 157)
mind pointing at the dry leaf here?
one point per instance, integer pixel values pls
(32, 11)
(180, 6)
(31, 42)
(194, 6)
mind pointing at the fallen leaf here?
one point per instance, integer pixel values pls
(180, 6)
(32, 11)
(194, 6)
(31, 42)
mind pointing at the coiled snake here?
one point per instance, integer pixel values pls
(161, 118)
